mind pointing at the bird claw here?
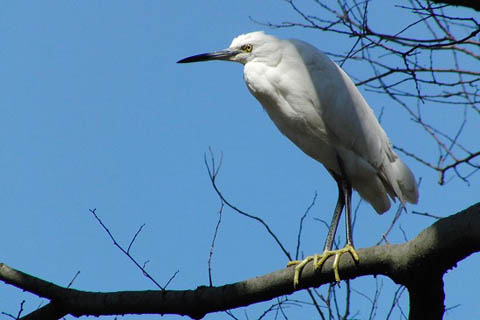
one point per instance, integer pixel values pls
(299, 264)
(319, 260)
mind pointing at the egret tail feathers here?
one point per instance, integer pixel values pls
(393, 179)
(406, 182)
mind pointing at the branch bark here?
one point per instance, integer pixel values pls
(418, 264)
(461, 3)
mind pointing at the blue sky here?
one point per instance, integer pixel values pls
(95, 113)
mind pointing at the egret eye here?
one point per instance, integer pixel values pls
(246, 48)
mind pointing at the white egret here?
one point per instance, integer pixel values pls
(316, 105)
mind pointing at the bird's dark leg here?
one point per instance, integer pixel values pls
(344, 201)
(318, 260)
(348, 212)
(336, 217)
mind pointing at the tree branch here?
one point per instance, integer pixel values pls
(462, 3)
(418, 264)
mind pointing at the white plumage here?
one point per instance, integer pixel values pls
(316, 105)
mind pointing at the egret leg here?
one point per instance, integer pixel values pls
(347, 193)
(336, 217)
(344, 200)
(348, 216)
(317, 259)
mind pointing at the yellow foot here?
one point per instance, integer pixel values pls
(319, 260)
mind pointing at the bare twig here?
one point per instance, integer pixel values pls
(135, 237)
(297, 251)
(373, 301)
(213, 171)
(426, 214)
(395, 301)
(315, 303)
(348, 292)
(170, 279)
(229, 313)
(73, 279)
(212, 246)
(20, 310)
(145, 273)
(404, 234)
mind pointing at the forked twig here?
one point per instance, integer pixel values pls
(213, 172)
(127, 253)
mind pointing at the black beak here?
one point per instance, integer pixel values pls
(217, 55)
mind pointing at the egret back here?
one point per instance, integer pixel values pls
(318, 107)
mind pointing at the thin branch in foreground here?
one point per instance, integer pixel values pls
(171, 278)
(456, 163)
(145, 273)
(404, 234)
(315, 303)
(18, 314)
(452, 307)
(355, 213)
(395, 219)
(229, 312)
(415, 157)
(376, 297)
(73, 279)
(275, 307)
(213, 173)
(395, 302)
(212, 246)
(384, 236)
(348, 290)
(297, 251)
(135, 237)
(426, 214)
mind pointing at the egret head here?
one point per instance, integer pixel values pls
(244, 48)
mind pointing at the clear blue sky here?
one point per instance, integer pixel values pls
(95, 113)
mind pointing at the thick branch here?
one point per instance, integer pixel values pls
(426, 297)
(462, 3)
(428, 256)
